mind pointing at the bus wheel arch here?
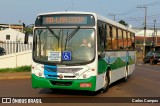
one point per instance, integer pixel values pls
(106, 81)
(126, 73)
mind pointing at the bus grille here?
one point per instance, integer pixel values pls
(49, 69)
(61, 83)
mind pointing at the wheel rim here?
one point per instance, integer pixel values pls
(126, 73)
(106, 81)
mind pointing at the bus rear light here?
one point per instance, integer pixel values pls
(85, 85)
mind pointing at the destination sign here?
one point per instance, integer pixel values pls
(65, 20)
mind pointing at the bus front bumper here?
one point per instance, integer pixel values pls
(77, 84)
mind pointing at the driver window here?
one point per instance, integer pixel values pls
(101, 36)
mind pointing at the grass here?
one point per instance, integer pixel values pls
(17, 69)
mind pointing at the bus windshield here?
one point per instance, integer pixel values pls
(49, 42)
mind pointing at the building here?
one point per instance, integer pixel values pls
(150, 36)
(10, 34)
(13, 26)
(152, 39)
(12, 41)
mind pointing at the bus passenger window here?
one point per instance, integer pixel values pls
(109, 38)
(125, 39)
(129, 41)
(114, 39)
(133, 40)
(120, 39)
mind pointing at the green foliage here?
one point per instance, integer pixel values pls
(123, 22)
(18, 69)
(139, 42)
(28, 30)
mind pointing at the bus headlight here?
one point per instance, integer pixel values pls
(39, 74)
(84, 76)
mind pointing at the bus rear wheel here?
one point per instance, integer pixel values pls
(126, 74)
(106, 85)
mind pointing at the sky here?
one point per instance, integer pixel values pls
(16, 11)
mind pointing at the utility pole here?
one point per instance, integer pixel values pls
(114, 16)
(154, 34)
(145, 19)
(21, 23)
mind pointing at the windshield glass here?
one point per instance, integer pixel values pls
(64, 46)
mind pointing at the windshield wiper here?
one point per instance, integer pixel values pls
(56, 36)
(71, 35)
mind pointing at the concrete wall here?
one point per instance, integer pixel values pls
(16, 59)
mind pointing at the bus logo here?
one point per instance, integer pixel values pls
(6, 100)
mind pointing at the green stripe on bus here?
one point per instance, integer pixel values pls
(38, 82)
(103, 65)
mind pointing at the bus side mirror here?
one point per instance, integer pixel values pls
(26, 38)
(101, 55)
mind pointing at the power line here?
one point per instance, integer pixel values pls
(153, 3)
(128, 12)
(114, 15)
(140, 18)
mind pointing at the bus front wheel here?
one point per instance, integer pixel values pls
(106, 83)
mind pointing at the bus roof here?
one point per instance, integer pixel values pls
(98, 17)
(109, 21)
(68, 12)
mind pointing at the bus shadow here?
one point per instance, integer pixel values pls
(78, 92)
(68, 92)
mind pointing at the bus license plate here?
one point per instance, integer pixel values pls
(85, 85)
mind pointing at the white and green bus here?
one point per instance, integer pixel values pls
(80, 51)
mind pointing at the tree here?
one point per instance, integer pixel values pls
(28, 30)
(123, 22)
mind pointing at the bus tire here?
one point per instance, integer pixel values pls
(107, 81)
(151, 61)
(126, 74)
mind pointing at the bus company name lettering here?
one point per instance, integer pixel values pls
(15, 100)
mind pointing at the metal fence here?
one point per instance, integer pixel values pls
(14, 47)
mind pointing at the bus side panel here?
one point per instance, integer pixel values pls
(102, 66)
(117, 62)
(99, 81)
(102, 69)
(132, 60)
